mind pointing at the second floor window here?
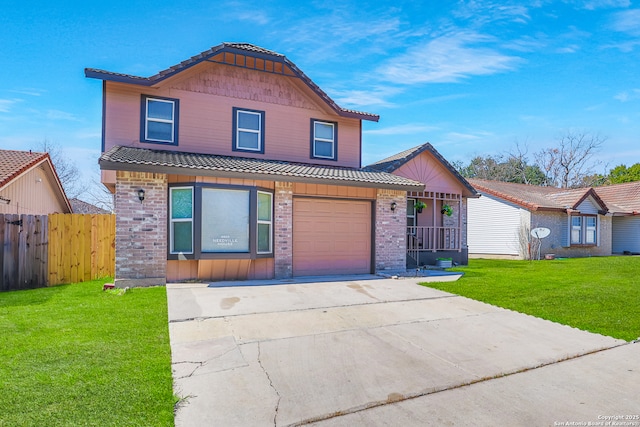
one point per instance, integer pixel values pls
(248, 130)
(324, 140)
(159, 120)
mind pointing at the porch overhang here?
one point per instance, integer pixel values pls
(134, 159)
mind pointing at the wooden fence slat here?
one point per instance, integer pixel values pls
(53, 249)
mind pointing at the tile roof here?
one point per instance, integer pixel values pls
(244, 48)
(81, 207)
(393, 163)
(534, 197)
(147, 160)
(13, 163)
(621, 198)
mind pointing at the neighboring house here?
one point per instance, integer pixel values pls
(430, 233)
(30, 185)
(623, 202)
(81, 207)
(233, 164)
(499, 222)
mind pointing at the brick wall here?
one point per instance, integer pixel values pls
(391, 229)
(283, 224)
(141, 229)
(553, 243)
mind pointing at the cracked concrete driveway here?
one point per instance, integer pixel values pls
(385, 352)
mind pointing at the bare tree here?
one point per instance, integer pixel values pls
(570, 163)
(67, 171)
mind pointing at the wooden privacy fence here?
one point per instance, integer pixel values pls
(47, 250)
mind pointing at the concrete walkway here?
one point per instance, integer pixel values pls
(386, 352)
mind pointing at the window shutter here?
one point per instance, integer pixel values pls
(598, 230)
(565, 231)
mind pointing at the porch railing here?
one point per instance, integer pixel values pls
(432, 239)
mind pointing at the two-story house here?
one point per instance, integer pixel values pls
(233, 164)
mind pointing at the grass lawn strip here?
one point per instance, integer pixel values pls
(74, 355)
(600, 294)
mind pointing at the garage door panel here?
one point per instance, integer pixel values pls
(331, 237)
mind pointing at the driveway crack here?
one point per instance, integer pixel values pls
(275, 415)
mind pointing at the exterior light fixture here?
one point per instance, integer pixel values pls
(394, 205)
(5, 201)
(141, 194)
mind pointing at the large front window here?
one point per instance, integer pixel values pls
(208, 222)
(225, 220)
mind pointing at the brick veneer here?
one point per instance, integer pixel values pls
(141, 229)
(283, 241)
(391, 231)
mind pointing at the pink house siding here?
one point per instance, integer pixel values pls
(207, 99)
(427, 169)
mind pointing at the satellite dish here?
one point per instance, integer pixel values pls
(540, 232)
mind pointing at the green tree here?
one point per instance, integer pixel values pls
(621, 174)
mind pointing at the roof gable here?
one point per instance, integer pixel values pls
(398, 161)
(621, 199)
(239, 55)
(14, 164)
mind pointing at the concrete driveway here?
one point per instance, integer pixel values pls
(384, 352)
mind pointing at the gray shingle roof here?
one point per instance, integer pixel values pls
(245, 48)
(194, 164)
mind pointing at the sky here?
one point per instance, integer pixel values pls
(471, 77)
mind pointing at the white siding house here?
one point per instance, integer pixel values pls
(626, 234)
(494, 226)
(500, 221)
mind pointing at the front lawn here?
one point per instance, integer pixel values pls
(600, 295)
(74, 355)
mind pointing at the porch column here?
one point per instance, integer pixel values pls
(141, 229)
(391, 231)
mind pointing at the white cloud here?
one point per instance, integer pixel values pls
(61, 115)
(485, 12)
(6, 104)
(605, 4)
(628, 95)
(29, 91)
(448, 58)
(257, 17)
(568, 49)
(627, 21)
(406, 129)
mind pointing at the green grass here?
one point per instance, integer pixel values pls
(600, 295)
(74, 355)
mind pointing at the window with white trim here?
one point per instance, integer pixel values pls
(159, 120)
(324, 140)
(584, 230)
(248, 130)
(181, 220)
(265, 223)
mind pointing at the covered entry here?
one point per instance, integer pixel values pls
(331, 236)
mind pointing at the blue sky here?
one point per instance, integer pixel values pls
(472, 77)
